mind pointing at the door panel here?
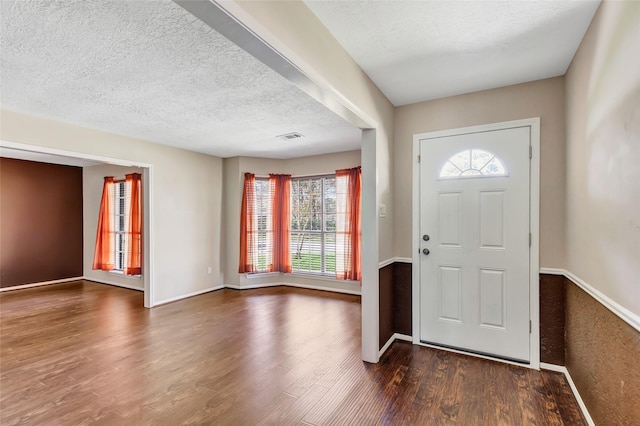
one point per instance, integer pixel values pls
(450, 286)
(492, 219)
(492, 301)
(474, 205)
(449, 218)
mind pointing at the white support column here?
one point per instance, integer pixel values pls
(147, 242)
(370, 286)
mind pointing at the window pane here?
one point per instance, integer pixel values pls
(330, 223)
(295, 216)
(306, 252)
(471, 172)
(473, 162)
(449, 170)
(264, 247)
(330, 253)
(494, 167)
(462, 160)
(330, 204)
(316, 204)
(305, 205)
(479, 158)
(300, 258)
(313, 224)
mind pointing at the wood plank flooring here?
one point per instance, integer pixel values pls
(86, 353)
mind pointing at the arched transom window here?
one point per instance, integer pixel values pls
(473, 163)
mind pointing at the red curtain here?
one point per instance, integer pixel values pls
(103, 257)
(348, 224)
(248, 225)
(133, 264)
(280, 191)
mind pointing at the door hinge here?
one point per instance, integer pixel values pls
(418, 158)
(530, 152)
(529, 326)
(529, 239)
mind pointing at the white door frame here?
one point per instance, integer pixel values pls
(534, 225)
(147, 184)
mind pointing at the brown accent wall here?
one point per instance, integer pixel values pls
(603, 358)
(40, 222)
(552, 312)
(402, 298)
(395, 300)
(386, 329)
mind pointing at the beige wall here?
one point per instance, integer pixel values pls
(186, 196)
(603, 155)
(544, 99)
(234, 170)
(92, 182)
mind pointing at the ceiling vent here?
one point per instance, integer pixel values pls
(290, 136)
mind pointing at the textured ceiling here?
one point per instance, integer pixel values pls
(421, 50)
(150, 70)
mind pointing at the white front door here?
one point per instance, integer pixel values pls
(475, 242)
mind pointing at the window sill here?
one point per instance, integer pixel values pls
(122, 275)
(307, 275)
(261, 275)
(318, 276)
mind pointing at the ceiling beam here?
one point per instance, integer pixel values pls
(214, 16)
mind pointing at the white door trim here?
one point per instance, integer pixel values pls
(534, 252)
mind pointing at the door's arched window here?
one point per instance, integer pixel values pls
(473, 163)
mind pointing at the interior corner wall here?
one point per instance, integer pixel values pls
(603, 213)
(40, 222)
(186, 196)
(543, 98)
(92, 183)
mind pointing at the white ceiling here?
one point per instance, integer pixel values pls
(422, 50)
(151, 70)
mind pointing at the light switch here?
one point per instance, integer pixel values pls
(382, 210)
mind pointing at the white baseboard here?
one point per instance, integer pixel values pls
(20, 287)
(322, 288)
(563, 370)
(626, 315)
(386, 345)
(393, 338)
(113, 283)
(393, 260)
(553, 271)
(404, 337)
(306, 286)
(185, 296)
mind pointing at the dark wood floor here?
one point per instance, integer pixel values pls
(85, 353)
